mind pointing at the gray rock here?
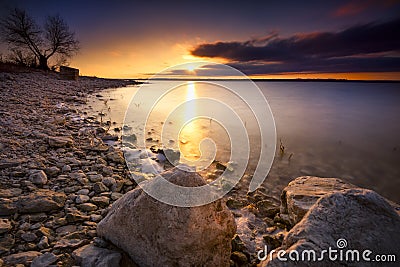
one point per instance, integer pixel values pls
(21, 258)
(38, 177)
(99, 187)
(96, 217)
(28, 237)
(52, 171)
(101, 201)
(198, 236)
(7, 206)
(115, 195)
(75, 216)
(66, 168)
(90, 255)
(11, 192)
(83, 192)
(67, 229)
(81, 199)
(5, 163)
(87, 207)
(7, 241)
(116, 157)
(5, 226)
(70, 243)
(360, 217)
(303, 192)
(41, 201)
(94, 178)
(43, 243)
(44, 260)
(109, 181)
(58, 141)
(107, 170)
(77, 175)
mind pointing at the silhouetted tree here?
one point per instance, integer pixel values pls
(21, 32)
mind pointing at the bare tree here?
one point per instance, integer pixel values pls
(21, 32)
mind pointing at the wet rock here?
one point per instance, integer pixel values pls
(58, 141)
(41, 201)
(303, 192)
(351, 219)
(21, 258)
(90, 255)
(38, 177)
(44, 260)
(203, 239)
(5, 226)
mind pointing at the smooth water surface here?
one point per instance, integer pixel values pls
(329, 129)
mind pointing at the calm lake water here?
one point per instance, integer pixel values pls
(329, 129)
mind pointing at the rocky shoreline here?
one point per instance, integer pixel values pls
(59, 179)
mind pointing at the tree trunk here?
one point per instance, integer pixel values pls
(43, 63)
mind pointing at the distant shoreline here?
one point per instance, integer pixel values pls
(270, 80)
(7, 67)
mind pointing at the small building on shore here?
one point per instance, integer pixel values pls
(69, 73)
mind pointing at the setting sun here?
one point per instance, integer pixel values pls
(191, 67)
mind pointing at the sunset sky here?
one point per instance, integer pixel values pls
(286, 39)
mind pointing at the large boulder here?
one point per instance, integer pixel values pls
(351, 219)
(158, 234)
(303, 192)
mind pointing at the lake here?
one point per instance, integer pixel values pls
(349, 130)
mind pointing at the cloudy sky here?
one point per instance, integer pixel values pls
(288, 39)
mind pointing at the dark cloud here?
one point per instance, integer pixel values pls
(363, 48)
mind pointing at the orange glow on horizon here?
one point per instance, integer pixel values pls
(126, 63)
